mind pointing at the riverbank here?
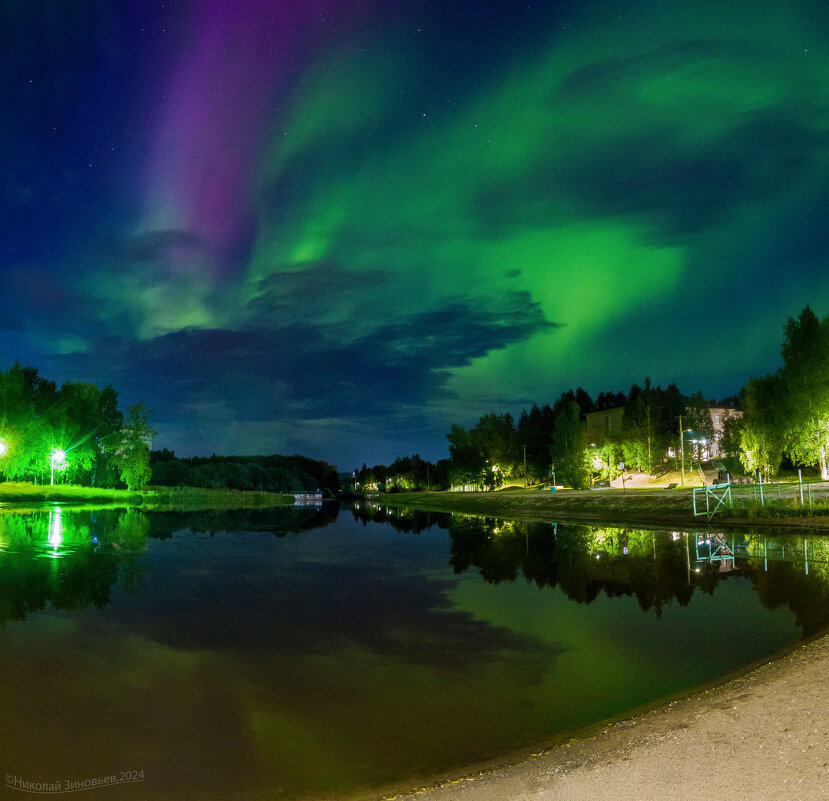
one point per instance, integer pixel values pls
(764, 735)
(646, 507)
(178, 498)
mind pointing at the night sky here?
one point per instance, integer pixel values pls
(337, 227)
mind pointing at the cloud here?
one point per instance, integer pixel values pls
(292, 370)
(674, 139)
(682, 191)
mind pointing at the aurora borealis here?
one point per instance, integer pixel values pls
(337, 228)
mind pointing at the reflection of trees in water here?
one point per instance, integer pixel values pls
(656, 567)
(408, 521)
(68, 560)
(783, 580)
(278, 520)
(73, 559)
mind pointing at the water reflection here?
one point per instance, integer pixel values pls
(348, 655)
(92, 551)
(279, 521)
(658, 568)
(67, 560)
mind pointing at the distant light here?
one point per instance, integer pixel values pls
(4, 448)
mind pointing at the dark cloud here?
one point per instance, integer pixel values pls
(617, 77)
(676, 190)
(682, 191)
(303, 371)
(655, 138)
(308, 293)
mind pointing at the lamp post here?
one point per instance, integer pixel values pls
(682, 433)
(56, 457)
(682, 449)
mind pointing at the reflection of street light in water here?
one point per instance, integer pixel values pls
(55, 527)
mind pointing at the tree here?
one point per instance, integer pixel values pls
(732, 427)
(805, 381)
(572, 462)
(535, 433)
(761, 441)
(467, 462)
(698, 416)
(26, 404)
(495, 436)
(650, 423)
(133, 455)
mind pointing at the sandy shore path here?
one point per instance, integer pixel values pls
(762, 736)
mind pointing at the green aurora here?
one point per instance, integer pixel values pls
(446, 212)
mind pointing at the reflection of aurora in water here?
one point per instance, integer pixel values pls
(657, 567)
(334, 653)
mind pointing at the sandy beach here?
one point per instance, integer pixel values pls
(764, 735)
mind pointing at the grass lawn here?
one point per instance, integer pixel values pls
(152, 497)
(646, 506)
(26, 492)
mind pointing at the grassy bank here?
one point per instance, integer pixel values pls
(635, 506)
(28, 493)
(151, 498)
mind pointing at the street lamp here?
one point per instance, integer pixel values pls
(682, 433)
(56, 458)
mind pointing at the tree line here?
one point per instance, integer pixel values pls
(404, 474)
(785, 417)
(273, 473)
(549, 439)
(75, 433)
(549, 442)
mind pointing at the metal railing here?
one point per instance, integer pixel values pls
(711, 498)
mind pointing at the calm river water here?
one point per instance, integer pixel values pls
(324, 652)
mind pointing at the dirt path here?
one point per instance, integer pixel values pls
(762, 736)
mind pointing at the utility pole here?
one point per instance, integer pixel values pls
(525, 467)
(682, 449)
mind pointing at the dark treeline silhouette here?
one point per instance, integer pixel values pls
(273, 473)
(404, 474)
